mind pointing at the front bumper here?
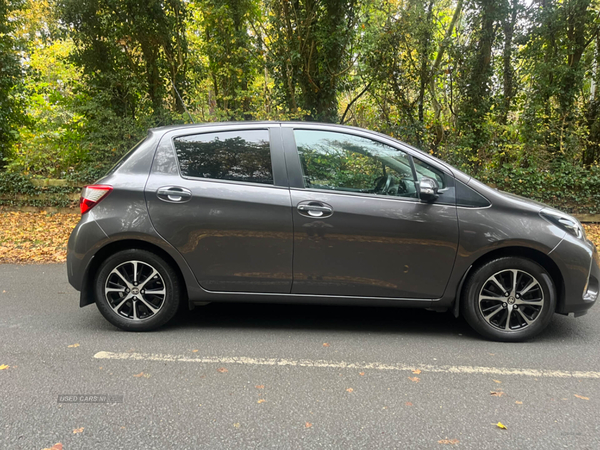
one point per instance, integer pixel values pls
(579, 264)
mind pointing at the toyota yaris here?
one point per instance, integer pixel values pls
(317, 213)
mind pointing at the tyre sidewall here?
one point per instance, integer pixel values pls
(170, 280)
(470, 299)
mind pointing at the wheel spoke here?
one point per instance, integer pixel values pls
(508, 314)
(116, 308)
(154, 272)
(118, 273)
(486, 297)
(515, 274)
(155, 292)
(529, 287)
(493, 313)
(135, 271)
(495, 280)
(525, 318)
(529, 302)
(148, 305)
(115, 289)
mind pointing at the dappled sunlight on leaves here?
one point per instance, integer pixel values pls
(592, 230)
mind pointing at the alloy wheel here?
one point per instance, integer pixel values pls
(511, 300)
(135, 290)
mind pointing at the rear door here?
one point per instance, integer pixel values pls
(220, 196)
(360, 226)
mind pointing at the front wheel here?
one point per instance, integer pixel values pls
(509, 299)
(136, 290)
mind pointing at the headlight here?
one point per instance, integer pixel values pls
(564, 221)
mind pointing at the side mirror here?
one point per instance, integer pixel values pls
(428, 189)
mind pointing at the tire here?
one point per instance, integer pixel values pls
(144, 306)
(490, 296)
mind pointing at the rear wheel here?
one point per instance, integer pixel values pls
(136, 290)
(509, 299)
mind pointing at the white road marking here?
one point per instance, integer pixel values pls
(347, 365)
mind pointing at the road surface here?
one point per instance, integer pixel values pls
(278, 376)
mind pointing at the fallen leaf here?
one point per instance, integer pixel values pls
(3, 366)
(449, 441)
(349, 390)
(262, 400)
(142, 374)
(501, 426)
(325, 344)
(35, 237)
(57, 446)
(194, 351)
(222, 370)
(581, 397)
(237, 425)
(416, 371)
(518, 402)
(78, 430)
(260, 386)
(73, 345)
(408, 404)
(414, 379)
(497, 381)
(497, 393)
(308, 425)
(362, 374)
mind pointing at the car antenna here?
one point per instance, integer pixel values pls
(181, 100)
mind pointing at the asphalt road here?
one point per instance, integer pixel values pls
(248, 376)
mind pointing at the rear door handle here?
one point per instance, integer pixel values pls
(174, 194)
(315, 209)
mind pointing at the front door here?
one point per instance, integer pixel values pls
(360, 228)
(220, 201)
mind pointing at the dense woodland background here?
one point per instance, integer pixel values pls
(506, 90)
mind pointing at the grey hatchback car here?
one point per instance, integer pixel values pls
(324, 214)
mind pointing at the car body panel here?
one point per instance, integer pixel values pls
(234, 236)
(122, 219)
(373, 246)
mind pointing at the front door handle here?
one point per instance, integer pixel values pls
(174, 194)
(315, 209)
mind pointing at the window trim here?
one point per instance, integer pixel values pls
(277, 181)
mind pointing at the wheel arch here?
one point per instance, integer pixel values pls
(515, 251)
(87, 296)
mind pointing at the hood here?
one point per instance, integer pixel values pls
(522, 199)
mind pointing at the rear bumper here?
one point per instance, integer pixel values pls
(86, 235)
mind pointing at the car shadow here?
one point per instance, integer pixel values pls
(321, 317)
(407, 321)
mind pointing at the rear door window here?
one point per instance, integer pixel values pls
(243, 156)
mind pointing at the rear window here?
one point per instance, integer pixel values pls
(231, 155)
(125, 157)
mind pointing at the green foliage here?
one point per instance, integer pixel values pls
(565, 186)
(506, 90)
(11, 115)
(18, 190)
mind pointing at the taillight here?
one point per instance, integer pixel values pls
(91, 196)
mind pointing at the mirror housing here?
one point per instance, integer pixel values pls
(428, 189)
